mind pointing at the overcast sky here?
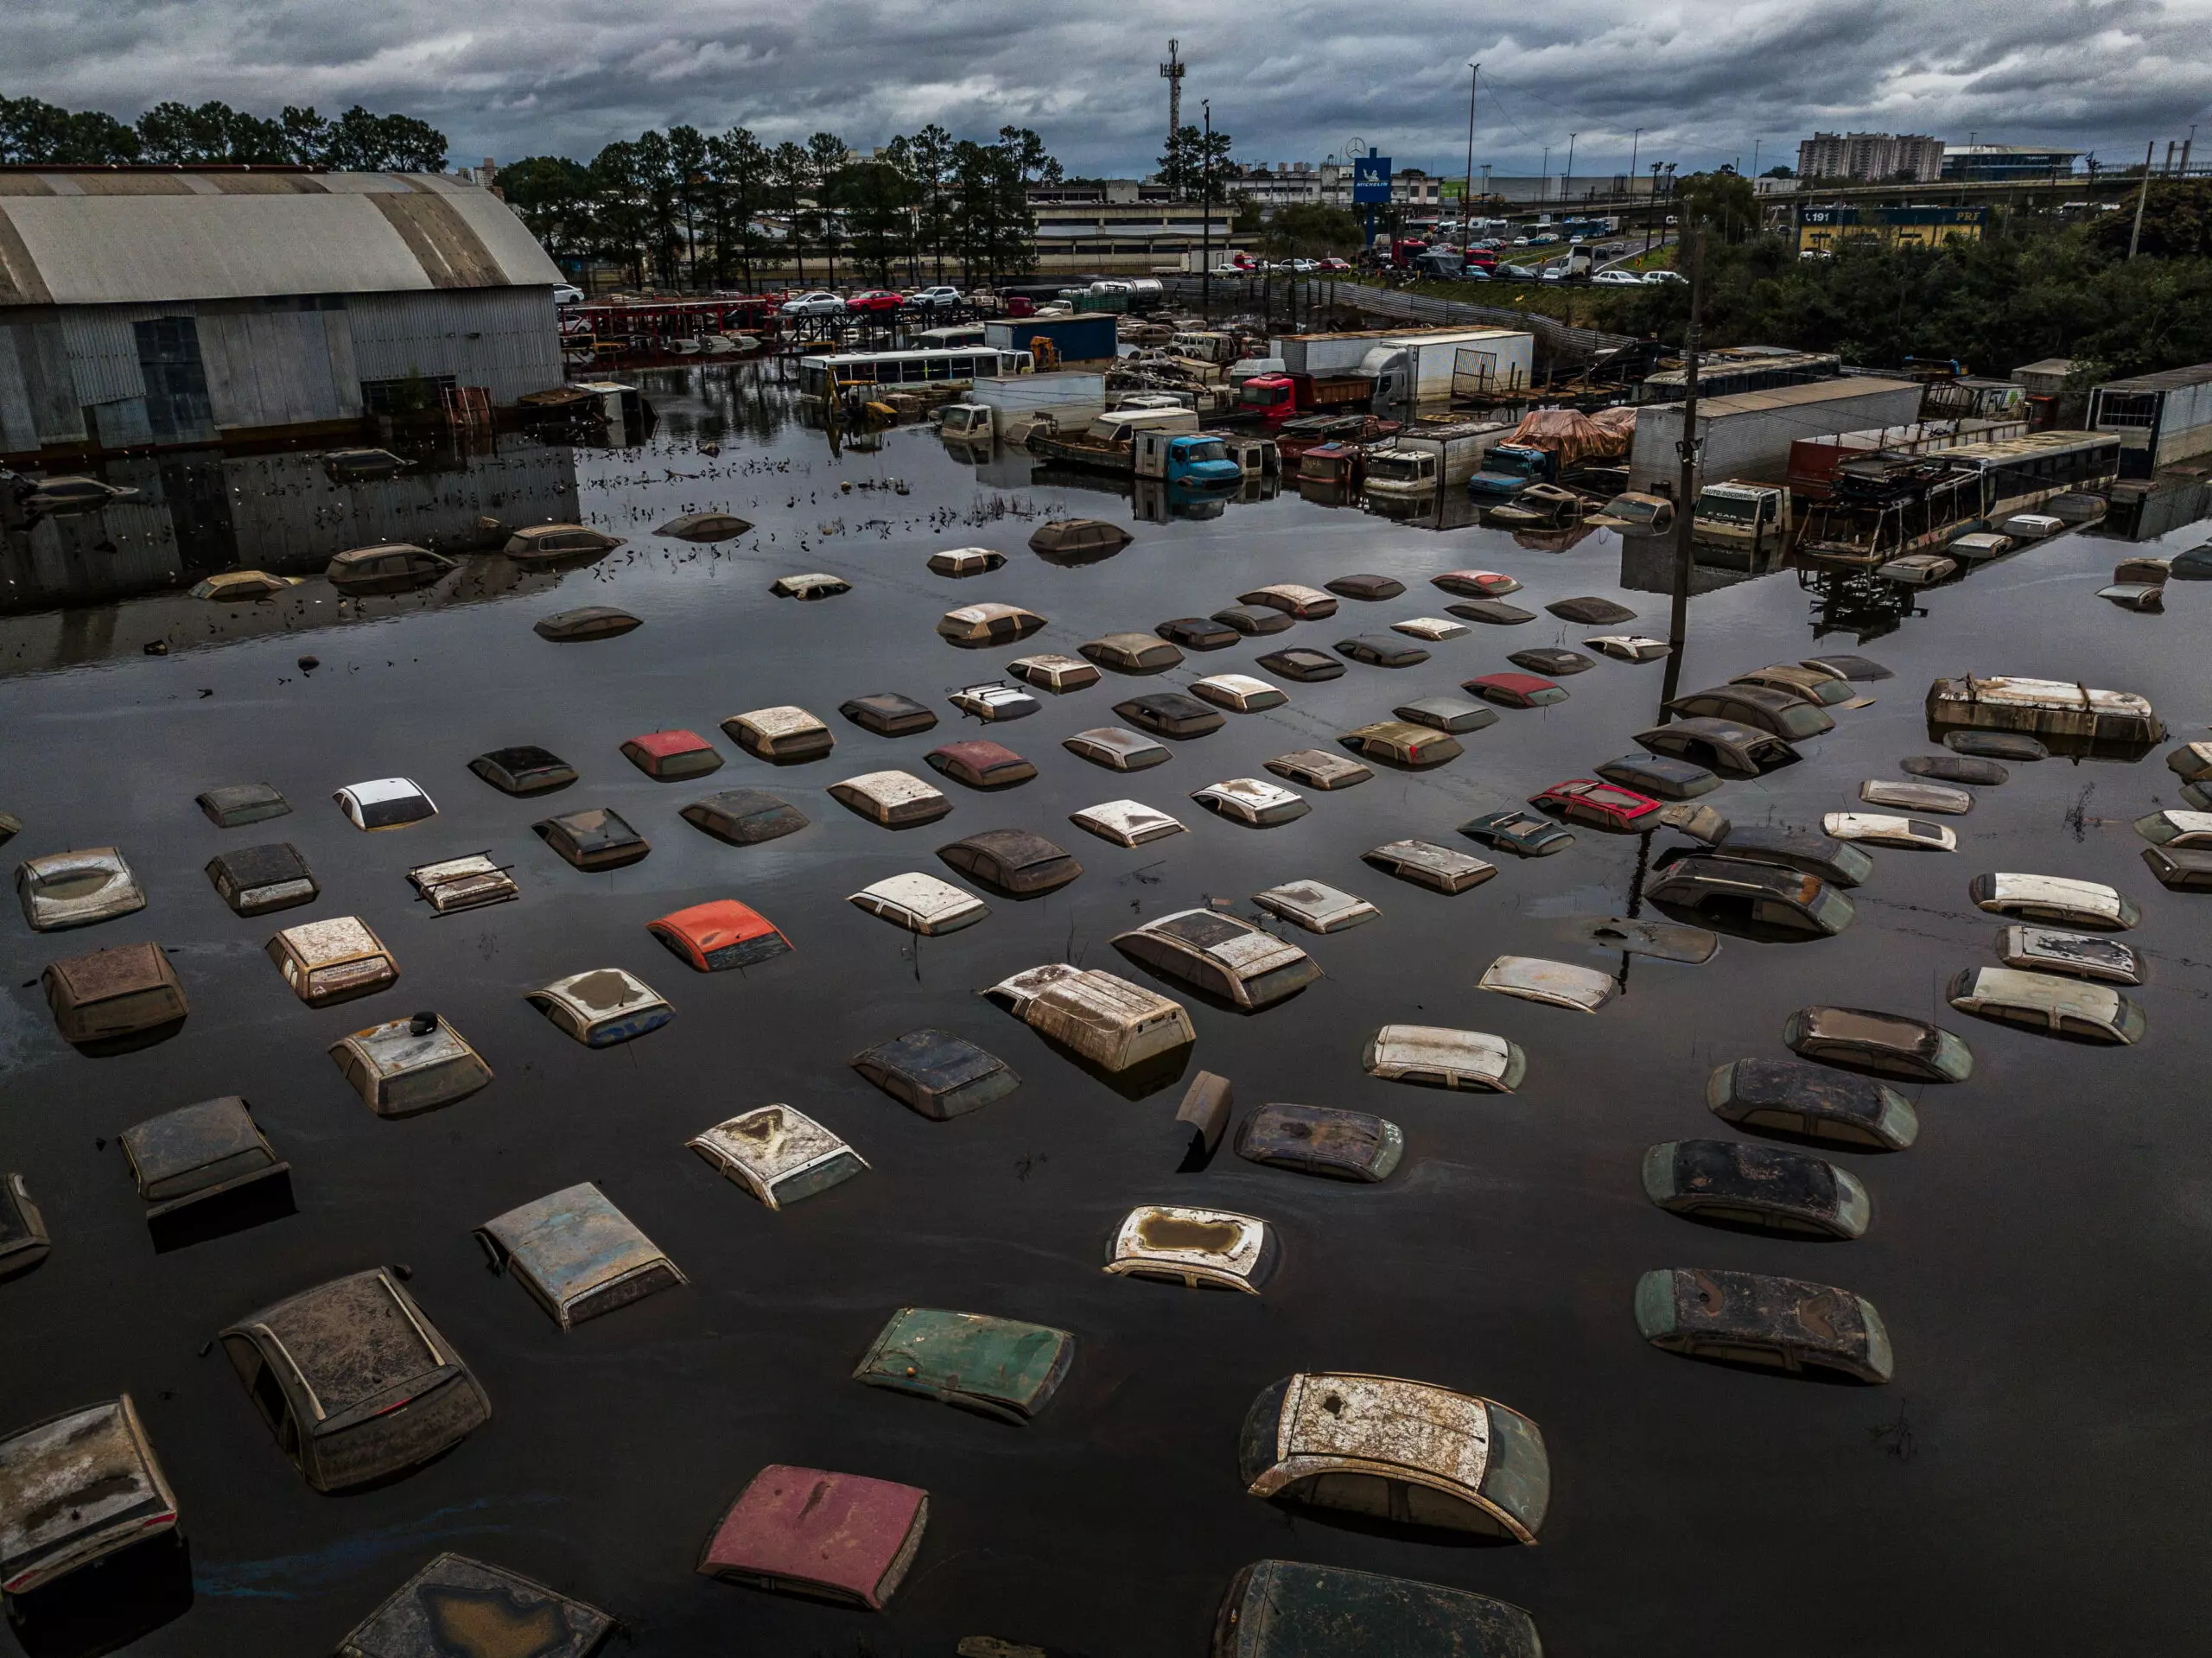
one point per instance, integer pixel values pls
(1292, 80)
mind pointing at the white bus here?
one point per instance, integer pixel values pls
(828, 376)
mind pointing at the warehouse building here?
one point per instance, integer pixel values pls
(168, 306)
(1748, 435)
(2160, 419)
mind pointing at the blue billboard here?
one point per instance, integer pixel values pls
(1371, 181)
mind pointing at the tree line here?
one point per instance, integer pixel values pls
(687, 208)
(2028, 289)
(34, 133)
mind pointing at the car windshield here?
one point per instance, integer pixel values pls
(1401, 468)
(1803, 720)
(1633, 511)
(1212, 449)
(1727, 509)
(387, 814)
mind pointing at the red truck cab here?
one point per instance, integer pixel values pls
(1279, 397)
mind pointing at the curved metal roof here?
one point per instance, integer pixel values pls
(149, 237)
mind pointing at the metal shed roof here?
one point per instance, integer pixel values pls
(1788, 397)
(136, 237)
(2172, 380)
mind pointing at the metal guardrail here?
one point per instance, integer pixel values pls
(1563, 343)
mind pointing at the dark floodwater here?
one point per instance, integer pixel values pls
(2029, 1481)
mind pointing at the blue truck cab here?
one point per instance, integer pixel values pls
(1511, 467)
(1196, 461)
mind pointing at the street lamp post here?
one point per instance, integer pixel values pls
(1545, 193)
(1634, 142)
(1567, 181)
(1205, 200)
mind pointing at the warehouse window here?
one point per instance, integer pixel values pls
(176, 381)
(415, 394)
(2136, 409)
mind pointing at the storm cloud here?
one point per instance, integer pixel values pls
(1292, 80)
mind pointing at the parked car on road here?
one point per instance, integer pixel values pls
(875, 299)
(934, 298)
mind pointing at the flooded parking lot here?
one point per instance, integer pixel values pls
(2038, 1255)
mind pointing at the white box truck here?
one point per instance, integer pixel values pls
(1430, 455)
(1424, 368)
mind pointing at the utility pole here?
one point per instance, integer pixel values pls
(1467, 201)
(2142, 197)
(1205, 197)
(1567, 181)
(1172, 71)
(1686, 491)
(1544, 195)
(1633, 144)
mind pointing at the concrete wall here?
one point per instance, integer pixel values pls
(1754, 442)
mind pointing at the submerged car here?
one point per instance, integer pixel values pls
(1434, 1056)
(1171, 714)
(82, 1486)
(1240, 692)
(1353, 1145)
(976, 625)
(777, 1153)
(1318, 769)
(2043, 1001)
(1660, 778)
(1820, 685)
(1764, 708)
(1315, 906)
(1749, 1318)
(995, 701)
(1012, 860)
(1515, 690)
(1515, 830)
(1756, 1186)
(1399, 1451)
(1198, 1249)
(1306, 666)
(1199, 634)
(523, 770)
(1402, 743)
(1788, 1096)
(937, 1075)
(888, 713)
(1116, 749)
(2077, 955)
(744, 816)
(1793, 849)
(1723, 746)
(1253, 802)
(1288, 1608)
(1888, 1044)
(1916, 796)
(982, 763)
(1132, 653)
(354, 1381)
(1057, 674)
(1223, 955)
(1879, 828)
(2055, 898)
(1379, 652)
(390, 567)
(384, 803)
(1425, 864)
(77, 889)
(1600, 805)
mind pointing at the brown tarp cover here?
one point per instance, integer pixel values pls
(1572, 435)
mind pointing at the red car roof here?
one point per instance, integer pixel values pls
(710, 926)
(662, 744)
(1605, 797)
(982, 754)
(1524, 683)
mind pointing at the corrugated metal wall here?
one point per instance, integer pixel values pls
(269, 363)
(271, 368)
(506, 338)
(103, 352)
